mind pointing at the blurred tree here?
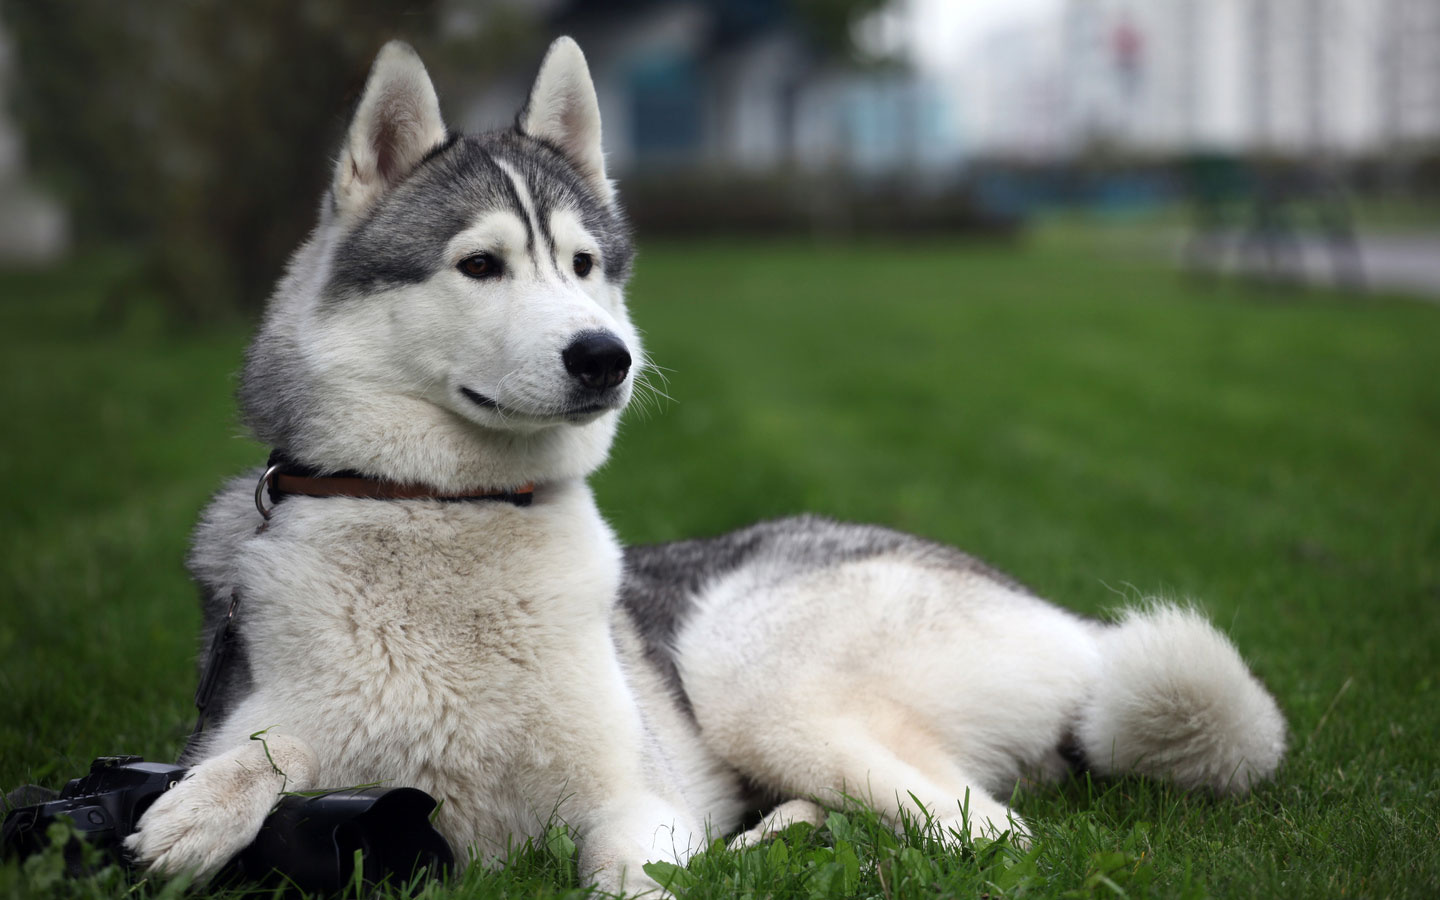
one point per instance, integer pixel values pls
(199, 132)
(193, 128)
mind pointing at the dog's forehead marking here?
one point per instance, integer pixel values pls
(525, 200)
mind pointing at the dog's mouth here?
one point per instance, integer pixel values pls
(577, 413)
(479, 399)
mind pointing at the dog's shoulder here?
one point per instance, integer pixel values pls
(228, 520)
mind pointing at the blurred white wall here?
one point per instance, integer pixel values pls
(1021, 79)
(1301, 76)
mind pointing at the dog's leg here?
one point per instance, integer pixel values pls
(789, 813)
(844, 761)
(614, 850)
(216, 811)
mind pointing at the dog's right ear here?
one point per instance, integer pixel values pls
(396, 124)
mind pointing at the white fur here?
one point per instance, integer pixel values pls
(1175, 700)
(397, 123)
(563, 110)
(441, 646)
(882, 679)
(791, 812)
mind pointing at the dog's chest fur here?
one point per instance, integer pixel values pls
(436, 645)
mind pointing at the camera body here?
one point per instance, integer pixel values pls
(104, 805)
(308, 842)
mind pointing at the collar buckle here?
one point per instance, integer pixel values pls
(263, 487)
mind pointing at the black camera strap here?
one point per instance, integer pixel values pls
(220, 645)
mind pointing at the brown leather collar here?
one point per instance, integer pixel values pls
(283, 478)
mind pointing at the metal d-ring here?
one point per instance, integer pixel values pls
(261, 488)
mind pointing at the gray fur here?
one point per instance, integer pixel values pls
(663, 580)
(401, 241)
(225, 525)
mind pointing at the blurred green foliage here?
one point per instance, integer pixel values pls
(200, 132)
(193, 128)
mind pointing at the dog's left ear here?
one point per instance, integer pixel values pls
(562, 110)
(396, 124)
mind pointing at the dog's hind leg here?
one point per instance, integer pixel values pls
(216, 811)
(842, 761)
(791, 812)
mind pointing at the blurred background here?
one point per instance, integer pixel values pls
(1292, 139)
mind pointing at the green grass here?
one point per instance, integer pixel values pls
(1098, 427)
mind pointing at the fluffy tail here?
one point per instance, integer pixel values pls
(1174, 700)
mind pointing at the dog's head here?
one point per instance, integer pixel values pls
(457, 318)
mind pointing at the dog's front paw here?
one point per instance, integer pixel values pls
(216, 811)
(628, 880)
(617, 867)
(614, 852)
(194, 828)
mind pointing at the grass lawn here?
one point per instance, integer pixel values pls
(1098, 427)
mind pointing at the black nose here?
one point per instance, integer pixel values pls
(598, 359)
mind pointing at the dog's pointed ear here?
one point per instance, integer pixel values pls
(396, 124)
(562, 110)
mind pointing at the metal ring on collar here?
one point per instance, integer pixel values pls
(261, 488)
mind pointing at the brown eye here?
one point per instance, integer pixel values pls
(481, 265)
(584, 262)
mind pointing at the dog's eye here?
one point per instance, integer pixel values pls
(584, 262)
(481, 265)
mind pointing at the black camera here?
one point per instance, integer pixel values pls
(308, 842)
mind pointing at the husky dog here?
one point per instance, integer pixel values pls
(456, 324)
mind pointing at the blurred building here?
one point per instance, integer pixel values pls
(1347, 77)
(738, 85)
(1014, 92)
